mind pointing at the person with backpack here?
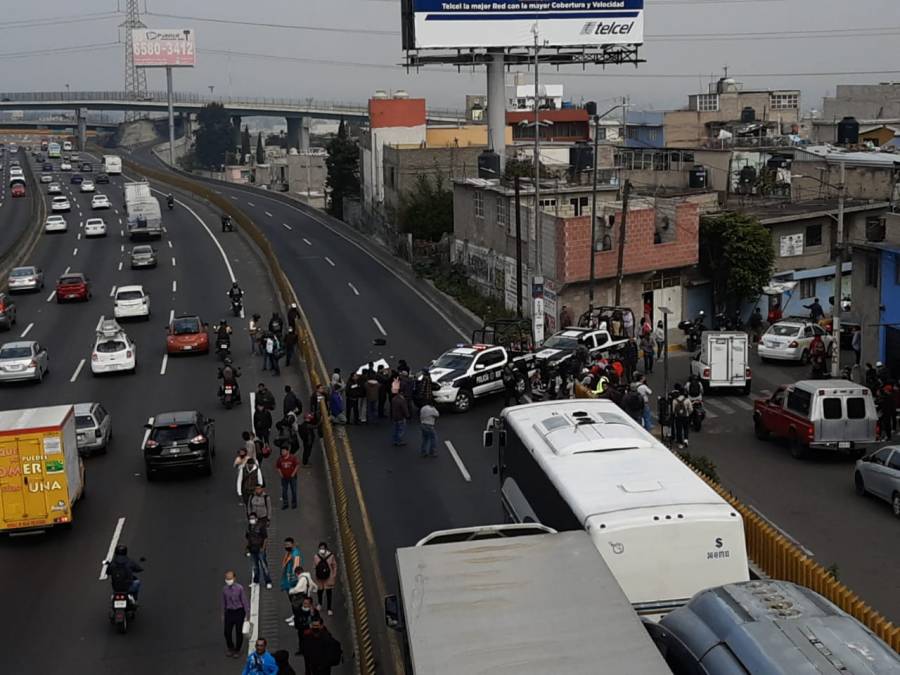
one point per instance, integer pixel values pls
(321, 651)
(260, 662)
(325, 567)
(257, 538)
(633, 403)
(645, 393)
(260, 505)
(249, 478)
(122, 572)
(304, 587)
(291, 566)
(682, 408)
(307, 435)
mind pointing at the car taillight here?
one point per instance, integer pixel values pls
(794, 344)
(128, 354)
(706, 373)
(197, 439)
(151, 444)
(94, 357)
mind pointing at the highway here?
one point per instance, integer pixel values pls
(353, 294)
(189, 527)
(14, 213)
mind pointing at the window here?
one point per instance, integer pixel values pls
(392, 177)
(601, 133)
(895, 461)
(479, 204)
(490, 359)
(831, 408)
(814, 235)
(785, 101)
(807, 288)
(872, 272)
(881, 456)
(856, 408)
(798, 401)
(501, 211)
(579, 204)
(548, 203)
(708, 103)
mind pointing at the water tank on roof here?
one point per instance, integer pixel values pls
(489, 165)
(748, 115)
(581, 157)
(380, 94)
(698, 176)
(401, 93)
(848, 131)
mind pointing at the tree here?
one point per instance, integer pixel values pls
(260, 151)
(524, 168)
(343, 169)
(215, 135)
(427, 209)
(245, 144)
(736, 253)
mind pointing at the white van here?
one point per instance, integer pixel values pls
(723, 361)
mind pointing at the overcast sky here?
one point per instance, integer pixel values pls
(298, 75)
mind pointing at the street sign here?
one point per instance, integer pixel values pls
(172, 48)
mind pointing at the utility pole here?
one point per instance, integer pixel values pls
(592, 109)
(537, 285)
(838, 278)
(518, 248)
(621, 263)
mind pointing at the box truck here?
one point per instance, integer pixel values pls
(142, 209)
(723, 361)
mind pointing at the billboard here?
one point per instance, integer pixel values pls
(439, 24)
(155, 47)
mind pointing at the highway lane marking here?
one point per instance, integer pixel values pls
(459, 462)
(710, 414)
(287, 227)
(251, 204)
(120, 265)
(100, 321)
(169, 241)
(120, 221)
(116, 533)
(122, 248)
(173, 261)
(174, 285)
(165, 362)
(353, 288)
(233, 197)
(122, 233)
(307, 241)
(27, 330)
(77, 371)
(112, 291)
(171, 315)
(268, 214)
(51, 296)
(67, 270)
(78, 238)
(379, 326)
(75, 252)
(329, 261)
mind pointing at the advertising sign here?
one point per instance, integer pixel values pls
(173, 47)
(442, 24)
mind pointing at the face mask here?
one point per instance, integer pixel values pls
(229, 582)
(307, 609)
(322, 551)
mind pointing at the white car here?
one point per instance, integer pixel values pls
(113, 351)
(100, 202)
(60, 204)
(789, 340)
(65, 166)
(94, 227)
(87, 186)
(56, 224)
(131, 301)
(46, 178)
(67, 146)
(54, 189)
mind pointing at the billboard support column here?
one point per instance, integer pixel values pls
(171, 116)
(496, 105)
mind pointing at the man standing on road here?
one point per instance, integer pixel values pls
(264, 397)
(262, 423)
(260, 662)
(257, 538)
(307, 433)
(646, 394)
(659, 336)
(290, 344)
(428, 416)
(510, 392)
(681, 412)
(372, 392)
(235, 609)
(399, 416)
(356, 394)
(290, 403)
(270, 353)
(260, 505)
(293, 315)
(756, 325)
(288, 465)
(249, 478)
(565, 318)
(815, 311)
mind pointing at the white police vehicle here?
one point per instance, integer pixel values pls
(560, 346)
(467, 372)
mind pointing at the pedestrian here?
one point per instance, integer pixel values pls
(288, 436)
(871, 378)
(659, 336)
(304, 612)
(756, 326)
(856, 343)
(264, 397)
(628, 323)
(399, 416)
(260, 661)
(249, 445)
(307, 434)
(290, 345)
(815, 311)
(510, 385)
(630, 356)
(288, 465)
(887, 408)
(290, 403)
(291, 566)
(428, 416)
(270, 357)
(253, 330)
(260, 505)
(235, 608)
(647, 351)
(356, 395)
(315, 405)
(262, 423)
(249, 478)
(337, 378)
(565, 317)
(283, 659)
(321, 651)
(646, 394)
(336, 404)
(276, 325)
(372, 388)
(257, 538)
(681, 413)
(325, 566)
(293, 315)
(407, 387)
(384, 390)
(633, 403)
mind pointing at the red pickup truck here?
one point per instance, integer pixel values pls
(819, 414)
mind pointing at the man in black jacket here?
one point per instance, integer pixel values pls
(262, 423)
(290, 403)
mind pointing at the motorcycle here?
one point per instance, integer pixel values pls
(122, 610)
(171, 203)
(692, 331)
(236, 306)
(223, 347)
(229, 395)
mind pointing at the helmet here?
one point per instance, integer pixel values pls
(227, 361)
(121, 549)
(234, 284)
(701, 313)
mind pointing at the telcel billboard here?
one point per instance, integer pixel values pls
(154, 47)
(448, 24)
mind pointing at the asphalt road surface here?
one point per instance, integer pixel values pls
(14, 213)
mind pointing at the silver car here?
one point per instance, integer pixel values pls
(879, 474)
(25, 279)
(23, 360)
(143, 256)
(93, 428)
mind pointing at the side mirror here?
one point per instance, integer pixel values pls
(392, 613)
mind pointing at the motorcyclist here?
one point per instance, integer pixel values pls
(693, 389)
(226, 223)
(170, 200)
(700, 321)
(122, 572)
(235, 292)
(229, 374)
(223, 331)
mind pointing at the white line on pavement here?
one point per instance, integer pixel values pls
(98, 323)
(112, 291)
(173, 261)
(459, 462)
(268, 214)
(353, 288)
(77, 371)
(287, 227)
(170, 243)
(27, 330)
(112, 543)
(120, 265)
(329, 261)
(174, 285)
(78, 237)
(254, 618)
(234, 198)
(307, 241)
(51, 296)
(67, 270)
(165, 362)
(75, 252)
(120, 221)
(251, 204)
(122, 248)
(379, 326)
(171, 315)
(710, 414)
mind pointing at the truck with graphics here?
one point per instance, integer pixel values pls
(41, 472)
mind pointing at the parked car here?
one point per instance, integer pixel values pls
(184, 439)
(879, 474)
(93, 428)
(28, 278)
(789, 340)
(23, 360)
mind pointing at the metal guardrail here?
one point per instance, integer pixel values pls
(350, 553)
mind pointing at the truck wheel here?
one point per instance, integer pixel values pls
(463, 401)
(859, 485)
(760, 430)
(798, 450)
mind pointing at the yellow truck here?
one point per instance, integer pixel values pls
(41, 473)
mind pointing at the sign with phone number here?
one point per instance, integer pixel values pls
(153, 48)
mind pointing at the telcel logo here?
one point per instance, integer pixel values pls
(603, 28)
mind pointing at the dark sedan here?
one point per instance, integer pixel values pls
(101, 178)
(76, 179)
(177, 440)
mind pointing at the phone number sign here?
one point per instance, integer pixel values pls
(158, 47)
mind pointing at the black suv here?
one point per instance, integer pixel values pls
(178, 440)
(101, 178)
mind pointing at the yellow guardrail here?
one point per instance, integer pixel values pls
(778, 557)
(349, 546)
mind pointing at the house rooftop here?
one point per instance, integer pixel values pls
(772, 213)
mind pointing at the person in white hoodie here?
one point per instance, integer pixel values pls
(305, 587)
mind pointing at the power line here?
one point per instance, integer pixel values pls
(59, 50)
(55, 21)
(261, 24)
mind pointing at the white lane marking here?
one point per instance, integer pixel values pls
(116, 211)
(252, 407)
(112, 291)
(120, 265)
(173, 261)
(329, 261)
(120, 221)
(287, 227)
(99, 323)
(78, 238)
(75, 252)
(353, 288)
(251, 204)
(122, 233)
(233, 197)
(169, 241)
(171, 315)
(268, 214)
(113, 543)
(211, 236)
(67, 270)
(77, 371)
(459, 462)
(146, 433)
(379, 326)
(27, 330)
(80, 223)
(174, 285)
(122, 248)
(165, 362)
(51, 296)
(307, 241)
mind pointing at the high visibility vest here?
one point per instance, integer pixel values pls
(601, 385)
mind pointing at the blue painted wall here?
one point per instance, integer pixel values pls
(890, 298)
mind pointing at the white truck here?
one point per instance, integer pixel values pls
(142, 209)
(723, 361)
(112, 165)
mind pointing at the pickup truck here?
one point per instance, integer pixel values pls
(560, 346)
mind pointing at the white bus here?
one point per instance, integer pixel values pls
(112, 165)
(585, 464)
(54, 150)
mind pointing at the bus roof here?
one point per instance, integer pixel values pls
(503, 606)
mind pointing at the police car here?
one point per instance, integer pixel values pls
(562, 345)
(468, 372)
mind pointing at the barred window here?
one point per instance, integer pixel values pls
(708, 103)
(785, 101)
(479, 204)
(501, 211)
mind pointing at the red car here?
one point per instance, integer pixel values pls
(187, 334)
(17, 190)
(73, 286)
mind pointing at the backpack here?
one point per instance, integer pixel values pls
(633, 402)
(120, 576)
(694, 389)
(323, 569)
(334, 654)
(680, 407)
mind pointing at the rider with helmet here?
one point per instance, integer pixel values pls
(122, 572)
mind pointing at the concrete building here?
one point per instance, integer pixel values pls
(568, 125)
(764, 113)
(863, 101)
(869, 175)
(303, 174)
